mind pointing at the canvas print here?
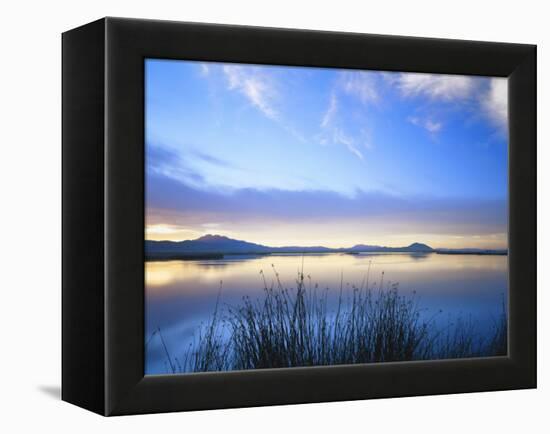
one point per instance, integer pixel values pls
(300, 216)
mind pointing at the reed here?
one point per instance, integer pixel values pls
(296, 327)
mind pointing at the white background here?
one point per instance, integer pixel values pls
(30, 216)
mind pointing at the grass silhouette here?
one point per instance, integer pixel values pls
(295, 327)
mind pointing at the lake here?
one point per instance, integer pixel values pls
(180, 295)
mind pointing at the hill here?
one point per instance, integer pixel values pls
(218, 244)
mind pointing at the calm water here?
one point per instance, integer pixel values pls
(180, 295)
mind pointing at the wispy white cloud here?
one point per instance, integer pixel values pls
(332, 131)
(432, 126)
(330, 112)
(495, 101)
(340, 137)
(356, 152)
(480, 95)
(360, 84)
(428, 124)
(261, 89)
(435, 86)
(255, 86)
(204, 69)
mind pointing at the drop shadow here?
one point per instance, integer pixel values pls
(52, 391)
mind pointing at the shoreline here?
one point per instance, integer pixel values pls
(172, 256)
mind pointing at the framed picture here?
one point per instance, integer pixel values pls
(258, 216)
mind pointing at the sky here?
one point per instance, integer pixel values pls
(306, 156)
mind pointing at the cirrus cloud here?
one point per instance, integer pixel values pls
(255, 86)
(360, 84)
(436, 86)
(489, 95)
(333, 132)
(428, 124)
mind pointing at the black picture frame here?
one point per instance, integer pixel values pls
(103, 216)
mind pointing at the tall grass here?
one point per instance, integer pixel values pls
(296, 327)
(210, 351)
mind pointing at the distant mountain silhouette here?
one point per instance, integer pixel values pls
(206, 244)
(209, 244)
(419, 247)
(414, 247)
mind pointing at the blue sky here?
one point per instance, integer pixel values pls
(288, 155)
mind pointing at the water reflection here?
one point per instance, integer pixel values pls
(180, 295)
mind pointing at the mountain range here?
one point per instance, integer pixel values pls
(218, 244)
